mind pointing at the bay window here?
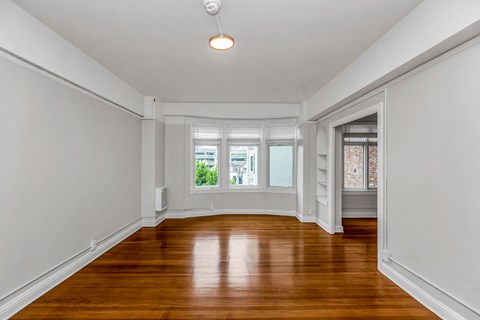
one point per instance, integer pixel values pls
(253, 155)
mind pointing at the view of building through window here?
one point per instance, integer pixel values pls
(281, 166)
(206, 165)
(360, 166)
(243, 165)
(230, 155)
(372, 166)
(353, 167)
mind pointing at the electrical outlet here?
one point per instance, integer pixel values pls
(93, 245)
(211, 207)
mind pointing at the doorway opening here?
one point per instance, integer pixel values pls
(356, 168)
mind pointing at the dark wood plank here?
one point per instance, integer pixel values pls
(233, 267)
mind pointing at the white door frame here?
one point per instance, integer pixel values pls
(381, 178)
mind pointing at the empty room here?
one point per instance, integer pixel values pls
(225, 159)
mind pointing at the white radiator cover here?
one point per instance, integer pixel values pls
(160, 199)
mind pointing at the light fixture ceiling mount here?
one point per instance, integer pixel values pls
(219, 41)
(212, 6)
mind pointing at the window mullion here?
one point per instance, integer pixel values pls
(263, 158)
(224, 162)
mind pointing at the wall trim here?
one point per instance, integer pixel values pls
(8, 55)
(153, 222)
(206, 213)
(305, 218)
(321, 224)
(244, 190)
(436, 300)
(359, 213)
(338, 228)
(25, 295)
(175, 215)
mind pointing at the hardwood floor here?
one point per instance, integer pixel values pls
(233, 267)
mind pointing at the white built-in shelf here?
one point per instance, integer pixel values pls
(321, 165)
(322, 200)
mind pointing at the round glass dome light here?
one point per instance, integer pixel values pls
(221, 42)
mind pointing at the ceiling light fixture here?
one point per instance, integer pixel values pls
(219, 41)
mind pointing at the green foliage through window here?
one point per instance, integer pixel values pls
(205, 176)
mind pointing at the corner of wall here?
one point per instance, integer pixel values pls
(23, 37)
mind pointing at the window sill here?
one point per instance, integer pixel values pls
(243, 190)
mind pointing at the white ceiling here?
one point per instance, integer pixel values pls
(285, 50)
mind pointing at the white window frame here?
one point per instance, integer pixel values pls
(244, 143)
(223, 144)
(280, 143)
(365, 166)
(207, 143)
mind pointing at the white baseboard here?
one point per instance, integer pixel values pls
(321, 224)
(359, 213)
(324, 226)
(205, 213)
(437, 301)
(175, 215)
(22, 297)
(153, 222)
(305, 218)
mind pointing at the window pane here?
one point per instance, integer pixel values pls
(372, 166)
(243, 165)
(206, 165)
(353, 166)
(281, 166)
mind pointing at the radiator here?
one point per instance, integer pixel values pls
(160, 199)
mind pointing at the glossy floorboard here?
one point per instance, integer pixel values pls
(233, 267)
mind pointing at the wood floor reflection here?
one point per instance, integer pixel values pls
(233, 267)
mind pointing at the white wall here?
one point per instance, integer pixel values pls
(429, 30)
(159, 147)
(306, 143)
(233, 110)
(430, 211)
(432, 188)
(70, 173)
(27, 38)
(359, 204)
(153, 158)
(431, 217)
(175, 162)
